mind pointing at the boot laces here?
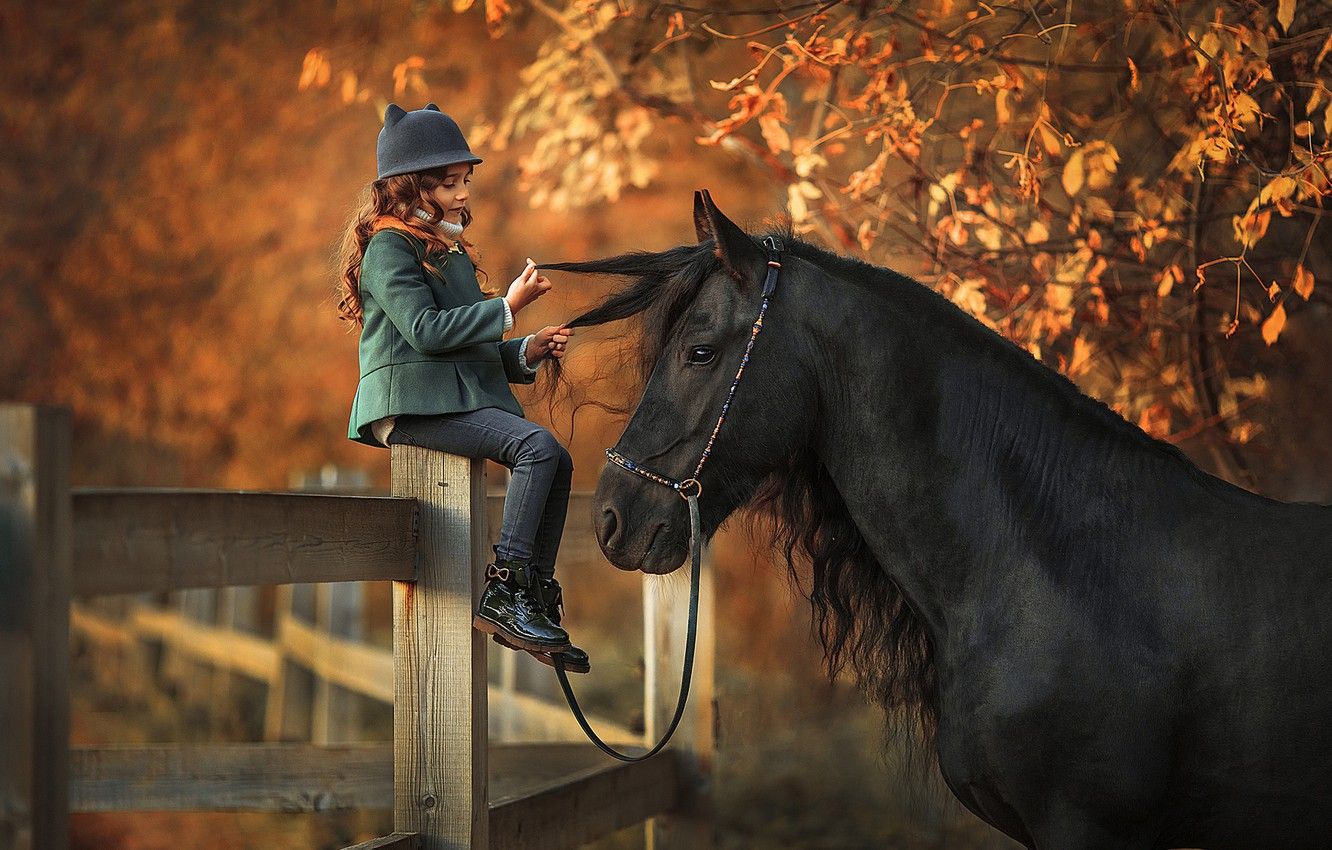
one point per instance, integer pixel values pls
(529, 599)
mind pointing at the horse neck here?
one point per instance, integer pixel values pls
(967, 471)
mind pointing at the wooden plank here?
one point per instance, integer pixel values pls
(665, 624)
(34, 626)
(396, 841)
(346, 663)
(546, 796)
(229, 650)
(231, 777)
(128, 541)
(555, 796)
(439, 717)
(237, 613)
(338, 610)
(360, 668)
(101, 630)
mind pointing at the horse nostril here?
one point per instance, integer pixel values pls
(608, 529)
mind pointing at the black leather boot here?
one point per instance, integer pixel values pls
(512, 607)
(575, 660)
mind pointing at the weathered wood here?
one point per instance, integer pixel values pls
(363, 669)
(199, 642)
(231, 777)
(190, 678)
(34, 626)
(546, 796)
(237, 613)
(346, 663)
(554, 796)
(127, 541)
(439, 717)
(666, 621)
(396, 841)
(338, 610)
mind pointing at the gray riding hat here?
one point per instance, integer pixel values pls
(420, 139)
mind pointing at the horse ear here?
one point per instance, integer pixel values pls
(701, 225)
(735, 248)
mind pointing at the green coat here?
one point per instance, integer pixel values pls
(430, 344)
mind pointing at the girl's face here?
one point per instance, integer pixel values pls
(452, 192)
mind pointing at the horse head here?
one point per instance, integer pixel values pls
(699, 306)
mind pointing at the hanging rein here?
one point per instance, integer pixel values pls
(690, 489)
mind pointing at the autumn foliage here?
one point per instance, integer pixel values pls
(1119, 186)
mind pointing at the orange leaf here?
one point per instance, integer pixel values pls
(774, 133)
(1167, 282)
(1273, 324)
(1286, 14)
(312, 68)
(1273, 291)
(1304, 282)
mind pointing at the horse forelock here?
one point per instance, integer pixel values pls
(659, 288)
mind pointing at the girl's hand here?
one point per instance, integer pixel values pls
(526, 288)
(548, 342)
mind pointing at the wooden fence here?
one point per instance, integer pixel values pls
(448, 785)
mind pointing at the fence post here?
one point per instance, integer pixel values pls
(34, 626)
(665, 622)
(339, 613)
(439, 661)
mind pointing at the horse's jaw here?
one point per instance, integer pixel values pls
(652, 562)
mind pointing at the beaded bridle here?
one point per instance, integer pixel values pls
(690, 489)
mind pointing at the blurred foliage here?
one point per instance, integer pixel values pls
(1116, 185)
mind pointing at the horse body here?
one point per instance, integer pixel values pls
(1119, 637)
(1120, 650)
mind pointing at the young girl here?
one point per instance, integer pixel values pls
(435, 369)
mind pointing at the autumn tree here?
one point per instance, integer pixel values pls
(1131, 189)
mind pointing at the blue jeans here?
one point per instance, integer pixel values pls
(538, 495)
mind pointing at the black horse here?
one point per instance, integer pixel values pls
(1106, 646)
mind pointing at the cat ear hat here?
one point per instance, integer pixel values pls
(420, 139)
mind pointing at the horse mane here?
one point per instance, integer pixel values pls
(863, 620)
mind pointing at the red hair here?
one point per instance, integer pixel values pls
(393, 202)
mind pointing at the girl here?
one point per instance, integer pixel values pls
(435, 370)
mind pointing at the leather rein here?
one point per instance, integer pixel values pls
(690, 489)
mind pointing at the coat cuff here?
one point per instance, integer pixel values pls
(522, 357)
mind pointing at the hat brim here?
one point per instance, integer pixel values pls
(438, 160)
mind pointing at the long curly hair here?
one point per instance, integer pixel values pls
(393, 202)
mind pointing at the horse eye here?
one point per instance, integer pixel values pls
(701, 355)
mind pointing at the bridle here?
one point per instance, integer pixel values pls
(690, 489)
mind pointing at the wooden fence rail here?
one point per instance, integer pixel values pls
(448, 786)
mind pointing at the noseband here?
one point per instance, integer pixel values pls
(690, 489)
